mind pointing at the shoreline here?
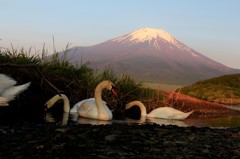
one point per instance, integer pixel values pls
(117, 141)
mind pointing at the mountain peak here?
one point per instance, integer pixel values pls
(151, 55)
(146, 34)
(151, 33)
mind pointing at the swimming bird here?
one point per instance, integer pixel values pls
(8, 90)
(162, 112)
(93, 108)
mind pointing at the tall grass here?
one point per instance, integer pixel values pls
(76, 82)
(21, 56)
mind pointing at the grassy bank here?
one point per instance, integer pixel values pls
(161, 86)
(53, 76)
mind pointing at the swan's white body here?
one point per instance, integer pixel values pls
(8, 90)
(162, 112)
(93, 108)
(78, 104)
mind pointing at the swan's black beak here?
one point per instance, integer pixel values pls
(45, 107)
(113, 90)
(45, 111)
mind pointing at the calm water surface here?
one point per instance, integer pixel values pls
(7, 116)
(216, 122)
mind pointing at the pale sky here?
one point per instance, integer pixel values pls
(211, 27)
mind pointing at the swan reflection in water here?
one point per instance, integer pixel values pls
(146, 120)
(75, 118)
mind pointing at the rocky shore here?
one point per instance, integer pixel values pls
(117, 141)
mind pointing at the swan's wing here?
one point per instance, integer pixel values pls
(6, 82)
(182, 115)
(78, 104)
(88, 109)
(13, 91)
(168, 113)
(75, 107)
(162, 112)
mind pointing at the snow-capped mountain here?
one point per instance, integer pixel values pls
(147, 34)
(150, 55)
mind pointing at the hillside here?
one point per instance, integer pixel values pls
(201, 108)
(224, 89)
(149, 55)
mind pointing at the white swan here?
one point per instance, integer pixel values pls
(162, 112)
(8, 90)
(93, 108)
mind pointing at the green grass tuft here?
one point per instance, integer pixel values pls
(50, 76)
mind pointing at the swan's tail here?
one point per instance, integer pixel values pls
(12, 92)
(181, 116)
(3, 101)
(188, 114)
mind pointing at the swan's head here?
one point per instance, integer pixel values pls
(110, 86)
(52, 101)
(129, 105)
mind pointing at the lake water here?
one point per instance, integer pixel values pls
(65, 118)
(216, 122)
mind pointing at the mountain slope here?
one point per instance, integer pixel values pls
(224, 89)
(151, 55)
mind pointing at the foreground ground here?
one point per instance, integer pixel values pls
(117, 141)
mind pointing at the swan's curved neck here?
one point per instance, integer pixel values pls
(98, 98)
(140, 105)
(66, 105)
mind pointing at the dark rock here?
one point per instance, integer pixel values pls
(117, 141)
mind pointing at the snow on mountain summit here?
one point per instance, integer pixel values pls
(149, 34)
(154, 37)
(146, 34)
